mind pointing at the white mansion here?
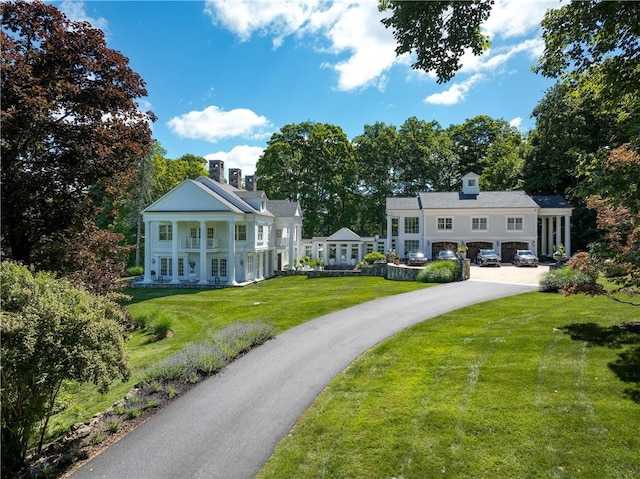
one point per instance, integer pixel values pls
(207, 232)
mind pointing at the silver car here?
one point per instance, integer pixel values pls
(488, 257)
(447, 254)
(524, 257)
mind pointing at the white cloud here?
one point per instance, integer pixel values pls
(371, 47)
(495, 58)
(244, 157)
(456, 92)
(515, 18)
(213, 124)
(516, 122)
(349, 28)
(75, 11)
(276, 18)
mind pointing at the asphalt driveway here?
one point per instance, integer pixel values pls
(229, 425)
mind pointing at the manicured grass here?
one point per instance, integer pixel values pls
(536, 385)
(198, 314)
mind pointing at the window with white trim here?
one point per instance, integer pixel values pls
(412, 225)
(219, 267)
(165, 232)
(241, 232)
(411, 245)
(479, 224)
(180, 266)
(165, 266)
(260, 234)
(515, 223)
(445, 224)
(250, 263)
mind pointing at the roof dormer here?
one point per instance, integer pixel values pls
(470, 184)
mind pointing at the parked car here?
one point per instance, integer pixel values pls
(486, 257)
(447, 255)
(524, 257)
(416, 258)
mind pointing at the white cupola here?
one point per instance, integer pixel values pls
(470, 184)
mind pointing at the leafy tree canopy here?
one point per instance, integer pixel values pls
(312, 163)
(51, 332)
(71, 129)
(438, 33)
(582, 35)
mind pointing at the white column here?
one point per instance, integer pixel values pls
(203, 252)
(231, 258)
(292, 232)
(174, 253)
(543, 236)
(558, 230)
(147, 252)
(550, 235)
(389, 234)
(567, 235)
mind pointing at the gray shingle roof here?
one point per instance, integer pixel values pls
(486, 199)
(284, 208)
(551, 201)
(403, 204)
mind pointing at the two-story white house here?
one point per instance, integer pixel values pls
(207, 232)
(501, 220)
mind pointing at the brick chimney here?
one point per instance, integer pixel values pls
(250, 183)
(216, 170)
(235, 177)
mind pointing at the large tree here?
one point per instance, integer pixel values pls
(580, 36)
(474, 138)
(312, 163)
(438, 33)
(51, 332)
(376, 151)
(71, 129)
(426, 160)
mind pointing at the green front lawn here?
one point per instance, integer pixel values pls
(197, 314)
(536, 385)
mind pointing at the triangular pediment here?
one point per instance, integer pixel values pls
(344, 234)
(191, 196)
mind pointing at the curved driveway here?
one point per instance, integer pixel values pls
(228, 426)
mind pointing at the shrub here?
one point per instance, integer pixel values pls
(208, 357)
(563, 278)
(438, 272)
(161, 326)
(134, 271)
(141, 322)
(113, 425)
(374, 256)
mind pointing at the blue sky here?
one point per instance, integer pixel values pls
(223, 75)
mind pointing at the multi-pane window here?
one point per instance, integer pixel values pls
(412, 225)
(165, 232)
(472, 182)
(241, 232)
(411, 245)
(210, 232)
(180, 266)
(250, 263)
(165, 266)
(445, 223)
(260, 234)
(514, 224)
(478, 223)
(218, 267)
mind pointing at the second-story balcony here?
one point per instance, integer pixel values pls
(194, 244)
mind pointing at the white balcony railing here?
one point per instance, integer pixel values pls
(194, 243)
